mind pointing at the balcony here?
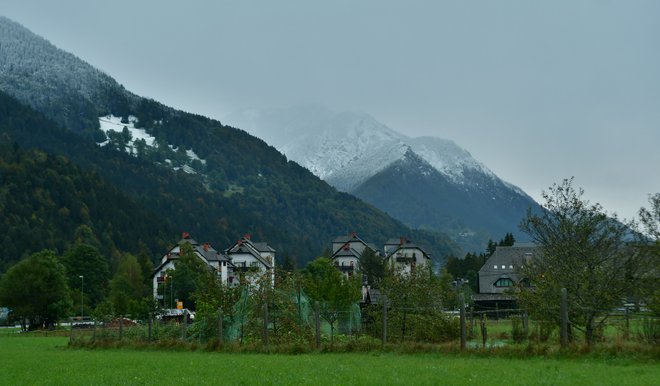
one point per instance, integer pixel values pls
(346, 268)
(405, 259)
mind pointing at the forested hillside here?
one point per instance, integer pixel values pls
(46, 201)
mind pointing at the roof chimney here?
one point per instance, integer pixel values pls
(347, 246)
(206, 247)
(247, 236)
(354, 235)
(185, 235)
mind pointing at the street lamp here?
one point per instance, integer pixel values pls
(82, 293)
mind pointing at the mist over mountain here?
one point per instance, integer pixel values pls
(425, 182)
(193, 173)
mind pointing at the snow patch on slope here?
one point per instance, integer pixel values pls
(111, 123)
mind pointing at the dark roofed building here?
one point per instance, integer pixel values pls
(500, 274)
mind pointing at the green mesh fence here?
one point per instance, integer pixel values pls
(291, 311)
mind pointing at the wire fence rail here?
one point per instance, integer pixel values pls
(376, 325)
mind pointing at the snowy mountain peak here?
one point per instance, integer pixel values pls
(347, 148)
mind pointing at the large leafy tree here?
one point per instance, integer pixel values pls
(335, 293)
(373, 267)
(188, 275)
(584, 250)
(415, 302)
(36, 291)
(86, 261)
(127, 288)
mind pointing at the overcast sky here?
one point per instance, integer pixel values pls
(537, 90)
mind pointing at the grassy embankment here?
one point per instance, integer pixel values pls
(46, 360)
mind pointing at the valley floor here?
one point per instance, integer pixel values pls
(46, 360)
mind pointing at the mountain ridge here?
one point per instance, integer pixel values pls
(321, 140)
(243, 185)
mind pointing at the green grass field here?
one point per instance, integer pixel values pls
(46, 360)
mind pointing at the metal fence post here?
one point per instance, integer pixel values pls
(317, 319)
(461, 300)
(384, 338)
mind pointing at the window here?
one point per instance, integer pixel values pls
(510, 266)
(503, 266)
(504, 282)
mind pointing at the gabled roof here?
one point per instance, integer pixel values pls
(511, 258)
(408, 245)
(245, 245)
(353, 237)
(507, 256)
(263, 247)
(343, 252)
(396, 241)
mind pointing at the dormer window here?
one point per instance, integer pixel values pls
(495, 266)
(504, 282)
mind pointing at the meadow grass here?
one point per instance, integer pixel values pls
(47, 360)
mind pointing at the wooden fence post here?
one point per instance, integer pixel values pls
(564, 318)
(151, 323)
(461, 300)
(220, 332)
(94, 331)
(384, 338)
(317, 319)
(121, 327)
(184, 325)
(627, 332)
(71, 329)
(484, 331)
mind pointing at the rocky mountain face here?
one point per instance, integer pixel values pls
(425, 182)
